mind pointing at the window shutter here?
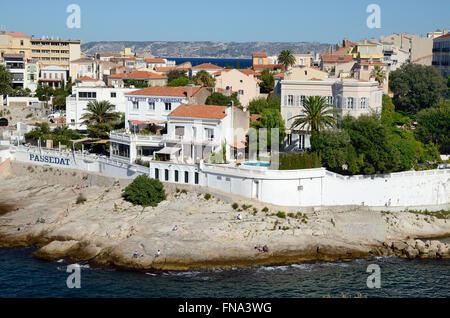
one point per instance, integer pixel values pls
(289, 120)
(285, 100)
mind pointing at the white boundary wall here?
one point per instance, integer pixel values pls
(302, 188)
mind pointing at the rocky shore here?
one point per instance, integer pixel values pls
(38, 206)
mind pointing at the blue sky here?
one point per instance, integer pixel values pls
(325, 21)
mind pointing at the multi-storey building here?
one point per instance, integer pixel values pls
(46, 51)
(87, 90)
(84, 67)
(15, 64)
(441, 54)
(244, 82)
(350, 96)
(53, 75)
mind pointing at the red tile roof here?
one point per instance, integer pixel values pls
(444, 36)
(207, 66)
(137, 75)
(182, 91)
(17, 34)
(256, 54)
(279, 75)
(245, 71)
(337, 58)
(86, 78)
(255, 117)
(199, 111)
(269, 66)
(151, 61)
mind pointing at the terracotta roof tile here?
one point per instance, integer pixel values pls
(151, 61)
(256, 54)
(444, 36)
(207, 66)
(183, 91)
(17, 34)
(337, 58)
(269, 66)
(199, 111)
(137, 75)
(86, 78)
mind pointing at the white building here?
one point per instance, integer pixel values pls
(350, 96)
(85, 92)
(53, 75)
(196, 131)
(152, 105)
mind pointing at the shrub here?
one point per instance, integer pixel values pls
(281, 215)
(207, 196)
(145, 192)
(81, 199)
(265, 209)
(293, 161)
(235, 206)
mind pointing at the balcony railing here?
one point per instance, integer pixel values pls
(436, 50)
(129, 137)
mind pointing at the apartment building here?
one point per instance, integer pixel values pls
(53, 75)
(337, 65)
(350, 96)
(153, 104)
(87, 90)
(15, 64)
(245, 82)
(84, 67)
(441, 54)
(47, 51)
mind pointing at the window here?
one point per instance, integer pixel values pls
(179, 131)
(330, 100)
(302, 100)
(157, 173)
(363, 102)
(289, 139)
(120, 150)
(241, 92)
(194, 133)
(196, 178)
(260, 61)
(290, 100)
(135, 105)
(350, 103)
(113, 95)
(166, 174)
(168, 106)
(176, 176)
(151, 105)
(366, 67)
(186, 177)
(209, 132)
(87, 95)
(21, 42)
(301, 62)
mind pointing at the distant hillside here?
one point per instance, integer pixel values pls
(205, 49)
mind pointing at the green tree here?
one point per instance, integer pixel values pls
(270, 118)
(145, 192)
(5, 81)
(375, 152)
(267, 81)
(258, 105)
(98, 112)
(44, 93)
(379, 74)
(318, 115)
(204, 79)
(181, 81)
(238, 66)
(434, 126)
(219, 99)
(136, 83)
(416, 87)
(99, 130)
(335, 150)
(388, 110)
(172, 75)
(59, 102)
(286, 58)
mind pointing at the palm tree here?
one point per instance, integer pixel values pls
(99, 112)
(379, 74)
(204, 79)
(318, 115)
(286, 58)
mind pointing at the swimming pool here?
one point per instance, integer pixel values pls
(257, 164)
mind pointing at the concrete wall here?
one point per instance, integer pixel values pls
(299, 188)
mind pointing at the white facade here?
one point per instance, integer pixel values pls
(53, 75)
(81, 96)
(151, 107)
(296, 188)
